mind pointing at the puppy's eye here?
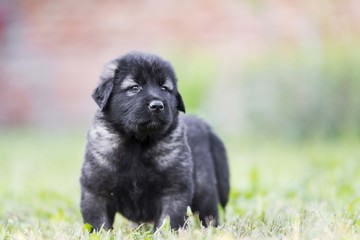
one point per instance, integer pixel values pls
(134, 88)
(165, 89)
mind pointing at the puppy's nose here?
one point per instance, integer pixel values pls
(156, 105)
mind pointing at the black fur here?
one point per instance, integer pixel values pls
(149, 163)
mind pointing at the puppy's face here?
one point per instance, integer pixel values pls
(138, 94)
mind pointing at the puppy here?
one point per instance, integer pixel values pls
(145, 160)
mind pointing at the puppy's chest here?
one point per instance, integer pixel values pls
(143, 172)
(137, 188)
(138, 177)
(135, 172)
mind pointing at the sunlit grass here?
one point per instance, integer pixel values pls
(307, 190)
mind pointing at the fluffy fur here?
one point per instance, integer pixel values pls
(144, 159)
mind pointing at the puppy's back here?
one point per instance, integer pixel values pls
(211, 171)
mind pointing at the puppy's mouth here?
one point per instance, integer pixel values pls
(153, 123)
(156, 123)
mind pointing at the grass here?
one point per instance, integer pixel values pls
(280, 190)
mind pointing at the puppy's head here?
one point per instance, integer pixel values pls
(138, 94)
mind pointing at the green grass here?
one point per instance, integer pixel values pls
(280, 190)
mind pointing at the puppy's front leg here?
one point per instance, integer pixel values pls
(174, 207)
(97, 210)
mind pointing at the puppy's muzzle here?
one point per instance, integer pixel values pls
(156, 106)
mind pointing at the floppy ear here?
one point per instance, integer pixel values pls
(102, 93)
(180, 103)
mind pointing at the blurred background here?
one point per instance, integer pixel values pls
(279, 81)
(263, 67)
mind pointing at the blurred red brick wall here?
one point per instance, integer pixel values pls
(51, 52)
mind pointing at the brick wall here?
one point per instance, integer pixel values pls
(51, 52)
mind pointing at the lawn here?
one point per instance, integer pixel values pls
(280, 190)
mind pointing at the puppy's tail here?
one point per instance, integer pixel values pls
(221, 168)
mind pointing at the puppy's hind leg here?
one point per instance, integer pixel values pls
(97, 210)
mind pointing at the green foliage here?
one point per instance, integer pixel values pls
(196, 73)
(88, 227)
(279, 190)
(304, 92)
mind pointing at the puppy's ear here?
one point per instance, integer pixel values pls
(102, 93)
(180, 103)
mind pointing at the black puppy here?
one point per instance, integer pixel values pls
(144, 159)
